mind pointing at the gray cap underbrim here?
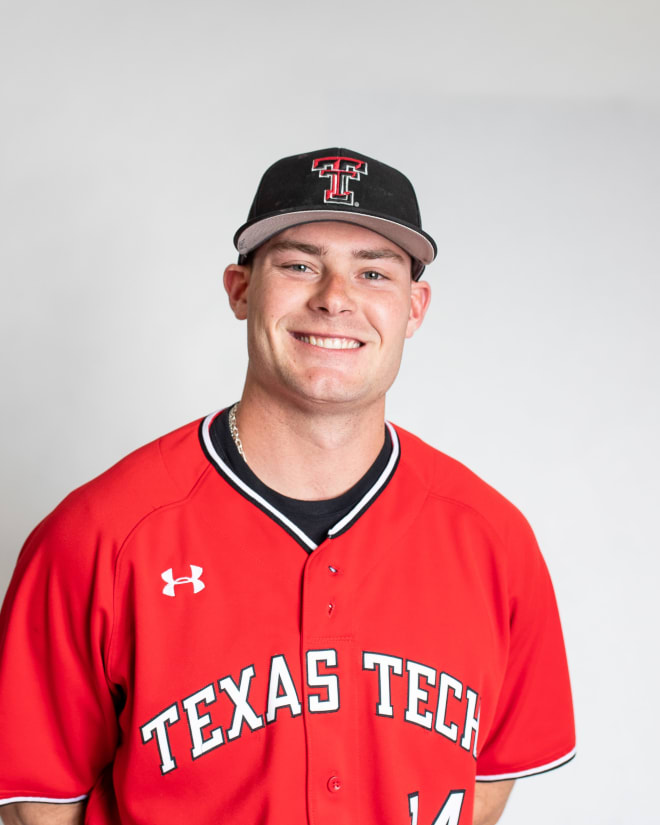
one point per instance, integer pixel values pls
(417, 245)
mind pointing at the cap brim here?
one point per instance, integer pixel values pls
(416, 243)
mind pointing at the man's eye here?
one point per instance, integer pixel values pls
(298, 267)
(371, 275)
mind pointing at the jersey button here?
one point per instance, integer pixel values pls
(334, 784)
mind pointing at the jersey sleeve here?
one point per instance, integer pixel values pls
(58, 724)
(533, 728)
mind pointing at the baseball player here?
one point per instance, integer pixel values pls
(290, 612)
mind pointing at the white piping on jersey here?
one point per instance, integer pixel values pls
(206, 434)
(250, 492)
(530, 772)
(366, 498)
(42, 799)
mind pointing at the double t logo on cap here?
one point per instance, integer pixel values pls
(340, 170)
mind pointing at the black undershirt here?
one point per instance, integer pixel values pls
(314, 518)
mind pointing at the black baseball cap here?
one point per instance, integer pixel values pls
(337, 185)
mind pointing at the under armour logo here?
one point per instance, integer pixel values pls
(194, 579)
(340, 170)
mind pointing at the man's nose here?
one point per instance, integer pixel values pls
(334, 294)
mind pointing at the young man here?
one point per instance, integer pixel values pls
(291, 611)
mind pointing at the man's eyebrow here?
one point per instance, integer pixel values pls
(375, 254)
(306, 248)
(320, 251)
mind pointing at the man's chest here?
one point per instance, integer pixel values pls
(227, 627)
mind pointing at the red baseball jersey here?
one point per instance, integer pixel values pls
(173, 648)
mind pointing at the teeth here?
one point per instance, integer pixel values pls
(329, 343)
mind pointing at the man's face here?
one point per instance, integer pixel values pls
(328, 307)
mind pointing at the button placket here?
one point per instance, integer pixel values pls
(332, 602)
(327, 627)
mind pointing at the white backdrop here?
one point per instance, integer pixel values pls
(133, 136)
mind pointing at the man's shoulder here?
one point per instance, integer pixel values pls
(446, 479)
(155, 475)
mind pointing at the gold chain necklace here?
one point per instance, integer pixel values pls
(233, 429)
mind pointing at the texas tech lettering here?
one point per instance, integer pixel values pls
(435, 701)
(340, 170)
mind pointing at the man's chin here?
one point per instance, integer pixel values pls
(329, 395)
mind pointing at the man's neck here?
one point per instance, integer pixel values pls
(305, 453)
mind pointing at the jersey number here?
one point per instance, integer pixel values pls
(449, 814)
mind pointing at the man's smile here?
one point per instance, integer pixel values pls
(327, 342)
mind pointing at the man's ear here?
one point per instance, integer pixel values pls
(420, 298)
(236, 280)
